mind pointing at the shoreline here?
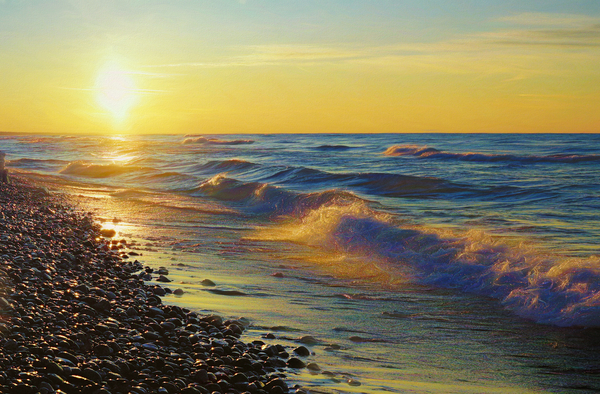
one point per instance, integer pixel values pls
(77, 317)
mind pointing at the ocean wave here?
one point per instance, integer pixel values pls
(265, 199)
(385, 184)
(329, 148)
(547, 289)
(214, 141)
(90, 170)
(224, 166)
(428, 152)
(34, 163)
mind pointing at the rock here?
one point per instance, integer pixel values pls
(163, 278)
(296, 363)
(178, 292)
(308, 340)
(302, 351)
(207, 282)
(103, 350)
(91, 375)
(150, 346)
(108, 232)
(162, 271)
(131, 311)
(83, 320)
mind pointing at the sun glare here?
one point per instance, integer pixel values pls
(115, 92)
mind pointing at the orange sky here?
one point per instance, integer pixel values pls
(265, 66)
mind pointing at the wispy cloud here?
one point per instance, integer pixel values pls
(581, 37)
(488, 52)
(275, 55)
(546, 29)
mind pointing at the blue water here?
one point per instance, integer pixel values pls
(512, 219)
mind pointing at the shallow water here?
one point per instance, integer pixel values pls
(432, 263)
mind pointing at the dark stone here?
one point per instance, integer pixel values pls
(302, 351)
(296, 363)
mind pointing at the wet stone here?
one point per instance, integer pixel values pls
(84, 321)
(302, 351)
(296, 363)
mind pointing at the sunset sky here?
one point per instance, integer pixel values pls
(279, 66)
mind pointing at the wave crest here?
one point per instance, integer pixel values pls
(214, 141)
(547, 289)
(90, 170)
(265, 199)
(424, 151)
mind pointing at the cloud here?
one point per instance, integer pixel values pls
(546, 29)
(278, 55)
(535, 44)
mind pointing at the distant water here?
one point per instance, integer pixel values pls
(389, 241)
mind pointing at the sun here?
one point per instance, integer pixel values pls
(116, 91)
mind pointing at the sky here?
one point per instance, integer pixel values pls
(283, 66)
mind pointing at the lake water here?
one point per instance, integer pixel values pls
(418, 262)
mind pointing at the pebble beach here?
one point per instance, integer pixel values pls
(77, 316)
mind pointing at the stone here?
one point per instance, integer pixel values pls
(302, 351)
(296, 363)
(108, 232)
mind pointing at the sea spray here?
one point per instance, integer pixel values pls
(538, 286)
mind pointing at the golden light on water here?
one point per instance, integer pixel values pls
(116, 92)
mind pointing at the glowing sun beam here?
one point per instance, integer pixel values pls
(115, 92)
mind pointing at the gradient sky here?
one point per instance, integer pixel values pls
(261, 66)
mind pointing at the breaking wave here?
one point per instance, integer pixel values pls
(547, 289)
(425, 151)
(90, 170)
(264, 199)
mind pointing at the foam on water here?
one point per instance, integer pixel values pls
(541, 287)
(268, 200)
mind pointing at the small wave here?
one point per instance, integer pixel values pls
(329, 148)
(224, 166)
(424, 151)
(264, 199)
(215, 141)
(410, 150)
(544, 288)
(34, 163)
(385, 184)
(90, 170)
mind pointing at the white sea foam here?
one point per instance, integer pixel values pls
(546, 288)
